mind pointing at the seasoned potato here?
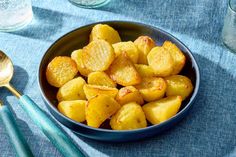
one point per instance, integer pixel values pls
(77, 57)
(129, 48)
(160, 61)
(101, 79)
(129, 117)
(144, 70)
(73, 109)
(94, 90)
(159, 111)
(179, 85)
(105, 32)
(129, 94)
(61, 70)
(123, 72)
(177, 55)
(72, 90)
(98, 55)
(99, 109)
(152, 88)
(144, 44)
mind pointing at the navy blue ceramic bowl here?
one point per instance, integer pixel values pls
(128, 31)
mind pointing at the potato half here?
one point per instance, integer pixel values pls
(144, 70)
(129, 94)
(129, 48)
(99, 109)
(98, 55)
(159, 111)
(61, 70)
(152, 88)
(144, 44)
(123, 71)
(101, 79)
(105, 32)
(130, 116)
(179, 85)
(161, 61)
(72, 90)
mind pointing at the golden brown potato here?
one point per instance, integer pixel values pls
(73, 109)
(177, 55)
(144, 70)
(129, 48)
(98, 55)
(99, 109)
(123, 72)
(179, 85)
(159, 111)
(152, 88)
(77, 57)
(160, 60)
(105, 32)
(144, 44)
(94, 90)
(129, 117)
(72, 90)
(129, 94)
(101, 79)
(61, 70)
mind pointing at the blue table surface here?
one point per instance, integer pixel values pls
(210, 127)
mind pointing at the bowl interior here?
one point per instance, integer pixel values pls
(128, 31)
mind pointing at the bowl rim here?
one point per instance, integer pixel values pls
(186, 108)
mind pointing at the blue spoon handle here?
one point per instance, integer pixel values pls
(50, 129)
(21, 147)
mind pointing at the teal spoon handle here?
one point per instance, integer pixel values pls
(50, 129)
(20, 145)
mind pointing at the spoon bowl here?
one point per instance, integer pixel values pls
(6, 69)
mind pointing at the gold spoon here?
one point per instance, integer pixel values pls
(62, 142)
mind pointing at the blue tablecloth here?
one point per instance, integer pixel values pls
(210, 127)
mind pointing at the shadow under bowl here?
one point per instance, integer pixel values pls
(77, 39)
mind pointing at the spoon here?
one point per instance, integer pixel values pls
(62, 142)
(17, 140)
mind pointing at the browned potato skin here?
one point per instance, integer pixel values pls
(152, 88)
(105, 32)
(61, 70)
(98, 55)
(129, 94)
(161, 61)
(123, 71)
(177, 55)
(179, 85)
(144, 44)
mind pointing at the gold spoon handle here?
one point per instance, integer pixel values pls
(13, 90)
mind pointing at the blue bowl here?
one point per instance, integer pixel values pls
(128, 31)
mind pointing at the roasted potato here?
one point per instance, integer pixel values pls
(130, 116)
(101, 79)
(159, 111)
(61, 70)
(72, 90)
(144, 70)
(144, 44)
(161, 61)
(123, 72)
(179, 85)
(98, 55)
(77, 57)
(105, 32)
(73, 109)
(152, 88)
(99, 109)
(94, 90)
(129, 94)
(177, 55)
(129, 48)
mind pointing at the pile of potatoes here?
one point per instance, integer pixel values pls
(128, 83)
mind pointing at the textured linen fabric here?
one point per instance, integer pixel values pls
(209, 130)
